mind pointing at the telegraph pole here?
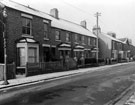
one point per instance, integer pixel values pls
(97, 15)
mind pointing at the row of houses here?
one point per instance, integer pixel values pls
(34, 36)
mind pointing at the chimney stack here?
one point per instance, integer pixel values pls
(54, 13)
(112, 34)
(83, 24)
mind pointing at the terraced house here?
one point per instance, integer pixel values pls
(34, 36)
(111, 48)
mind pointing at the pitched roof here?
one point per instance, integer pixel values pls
(123, 39)
(112, 38)
(126, 40)
(24, 8)
(70, 26)
(58, 23)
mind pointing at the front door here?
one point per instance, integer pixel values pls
(21, 56)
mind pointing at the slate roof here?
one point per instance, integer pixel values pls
(123, 40)
(70, 26)
(126, 40)
(112, 38)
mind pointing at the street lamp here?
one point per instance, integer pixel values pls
(4, 15)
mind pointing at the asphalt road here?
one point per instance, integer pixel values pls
(91, 88)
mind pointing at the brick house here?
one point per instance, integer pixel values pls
(109, 46)
(77, 39)
(128, 47)
(34, 36)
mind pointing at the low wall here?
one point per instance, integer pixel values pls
(1, 72)
(10, 71)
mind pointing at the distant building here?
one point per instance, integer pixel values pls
(128, 46)
(109, 46)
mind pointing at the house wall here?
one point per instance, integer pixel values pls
(14, 32)
(105, 45)
(1, 45)
(13, 25)
(132, 49)
(72, 43)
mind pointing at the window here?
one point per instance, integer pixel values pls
(68, 39)
(57, 33)
(45, 31)
(88, 41)
(32, 55)
(120, 46)
(26, 26)
(114, 45)
(93, 41)
(76, 37)
(80, 38)
(83, 39)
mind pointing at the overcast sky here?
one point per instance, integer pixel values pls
(116, 15)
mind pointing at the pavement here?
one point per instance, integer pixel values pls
(50, 76)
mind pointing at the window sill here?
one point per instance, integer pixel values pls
(68, 42)
(76, 43)
(46, 38)
(26, 35)
(58, 40)
(83, 44)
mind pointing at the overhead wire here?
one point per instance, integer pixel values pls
(79, 9)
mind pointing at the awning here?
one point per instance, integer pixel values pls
(94, 49)
(64, 46)
(87, 49)
(121, 52)
(79, 48)
(26, 40)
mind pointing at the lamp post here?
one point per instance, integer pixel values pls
(4, 15)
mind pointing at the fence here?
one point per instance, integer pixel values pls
(10, 71)
(43, 67)
(48, 67)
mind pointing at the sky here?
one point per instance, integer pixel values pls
(117, 16)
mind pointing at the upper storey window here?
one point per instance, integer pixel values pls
(26, 26)
(46, 31)
(57, 35)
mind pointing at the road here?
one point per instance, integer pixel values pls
(90, 88)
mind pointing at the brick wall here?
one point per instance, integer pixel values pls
(14, 32)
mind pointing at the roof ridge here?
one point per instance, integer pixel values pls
(75, 24)
(27, 6)
(40, 13)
